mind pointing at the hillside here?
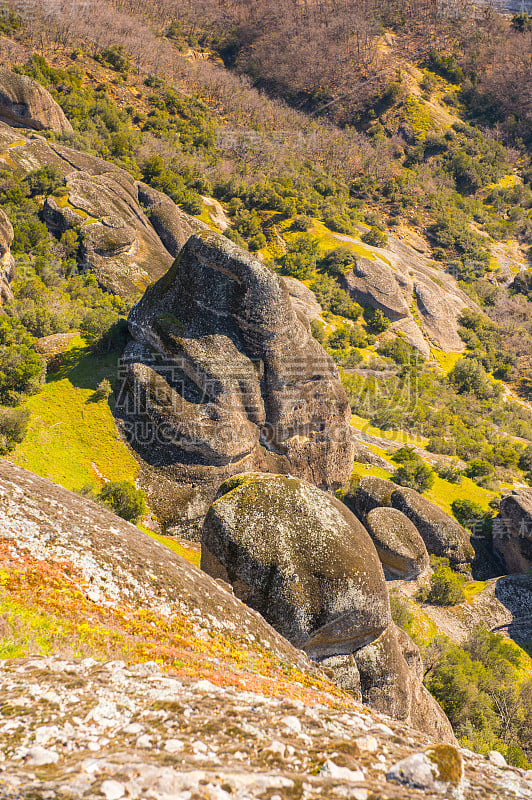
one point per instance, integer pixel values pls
(265, 304)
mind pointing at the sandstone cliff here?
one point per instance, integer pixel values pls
(24, 103)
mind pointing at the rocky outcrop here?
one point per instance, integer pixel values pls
(512, 531)
(7, 262)
(443, 536)
(303, 560)
(26, 104)
(439, 312)
(374, 284)
(303, 299)
(117, 241)
(223, 377)
(401, 549)
(172, 225)
(391, 678)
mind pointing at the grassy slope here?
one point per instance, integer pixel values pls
(71, 439)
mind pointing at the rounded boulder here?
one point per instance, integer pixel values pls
(301, 559)
(400, 547)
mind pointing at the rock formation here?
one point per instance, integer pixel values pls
(303, 560)
(443, 536)
(223, 377)
(7, 262)
(400, 547)
(373, 283)
(512, 531)
(172, 225)
(26, 104)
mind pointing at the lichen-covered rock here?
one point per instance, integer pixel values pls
(7, 262)
(512, 531)
(401, 549)
(373, 283)
(443, 536)
(26, 104)
(118, 243)
(223, 377)
(391, 678)
(370, 492)
(300, 558)
(173, 226)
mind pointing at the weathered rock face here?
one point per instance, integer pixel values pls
(172, 225)
(370, 493)
(443, 536)
(373, 283)
(512, 531)
(26, 104)
(401, 549)
(439, 312)
(117, 241)
(7, 262)
(301, 559)
(391, 675)
(223, 378)
(303, 299)
(101, 202)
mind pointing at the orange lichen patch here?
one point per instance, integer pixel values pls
(54, 601)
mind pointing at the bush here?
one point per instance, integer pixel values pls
(446, 587)
(339, 261)
(102, 391)
(124, 499)
(302, 223)
(115, 57)
(375, 237)
(471, 515)
(418, 476)
(377, 321)
(479, 468)
(44, 180)
(13, 427)
(468, 375)
(299, 261)
(447, 472)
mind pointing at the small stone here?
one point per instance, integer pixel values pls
(133, 727)
(497, 759)
(112, 790)
(368, 744)
(416, 771)
(173, 745)
(275, 748)
(292, 723)
(332, 770)
(93, 747)
(144, 741)
(38, 756)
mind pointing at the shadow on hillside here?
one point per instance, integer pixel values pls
(85, 369)
(515, 593)
(485, 565)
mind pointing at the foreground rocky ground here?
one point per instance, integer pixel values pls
(82, 728)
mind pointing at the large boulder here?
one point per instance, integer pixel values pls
(439, 311)
(401, 549)
(300, 558)
(443, 536)
(303, 560)
(368, 493)
(223, 377)
(512, 531)
(7, 262)
(26, 104)
(373, 283)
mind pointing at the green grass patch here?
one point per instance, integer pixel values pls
(445, 361)
(443, 493)
(474, 588)
(71, 439)
(191, 554)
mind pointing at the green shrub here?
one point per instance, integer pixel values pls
(375, 237)
(115, 57)
(471, 515)
(102, 391)
(124, 499)
(446, 587)
(376, 319)
(479, 468)
(468, 375)
(299, 261)
(418, 476)
(13, 427)
(339, 261)
(302, 223)
(447, 472)
(44, 180)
